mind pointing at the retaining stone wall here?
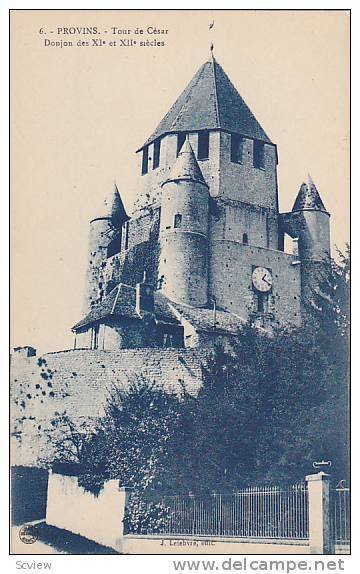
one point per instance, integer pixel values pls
(79, 381)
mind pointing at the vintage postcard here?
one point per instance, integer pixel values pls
(180, 200)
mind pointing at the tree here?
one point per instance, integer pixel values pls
(128, 443)
(68, 438)
(330, 318)
(266, 410)
(277, 403)
(329, 306)
(265, 413)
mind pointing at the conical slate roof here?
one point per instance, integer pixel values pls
(210, 101)
(186, 166)
(308, 198)
(113, 207)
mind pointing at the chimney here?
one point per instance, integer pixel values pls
(144, 297)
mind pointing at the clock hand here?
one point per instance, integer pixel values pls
(266, 280)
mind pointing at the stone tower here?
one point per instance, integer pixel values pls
(206, 231)
(201, 255)
(104, 235)
(309, 225)
(184, 223)
(227, 140)
(313, 223)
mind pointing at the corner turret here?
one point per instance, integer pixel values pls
(113, 208)
(312, 222)
(183, 264)
(309, 225)
(104, 241)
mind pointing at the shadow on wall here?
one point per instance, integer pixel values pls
(28, 494)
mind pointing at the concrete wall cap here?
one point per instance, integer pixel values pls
(318, 476)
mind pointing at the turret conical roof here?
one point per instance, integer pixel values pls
(210, 101)
(308, 198)
(186, 166)
(112, 207)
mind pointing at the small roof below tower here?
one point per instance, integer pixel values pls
(186, 166)
(112, 207)
(210, 101)
(308, 198)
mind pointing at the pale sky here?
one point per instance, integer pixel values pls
(79, 114)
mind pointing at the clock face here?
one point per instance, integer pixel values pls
(262, 279)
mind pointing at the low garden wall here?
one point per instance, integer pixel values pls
(100, 518)
(97, 518)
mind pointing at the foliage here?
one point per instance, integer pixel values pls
(68, 438)
(267, 409)
(145, 517)
(329, 306)
(128, 443)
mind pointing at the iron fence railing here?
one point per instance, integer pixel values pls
(341, 515)
(254, 512)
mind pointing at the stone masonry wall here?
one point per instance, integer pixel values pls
(79, 381)
(233, 218)
(128, 267)
(242, 181)
(231, 266)
(150, 184)
(100, 234)
(142, 254)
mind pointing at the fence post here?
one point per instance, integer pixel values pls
(320, 539)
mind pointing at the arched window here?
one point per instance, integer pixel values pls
(245, 239)
(177, 220)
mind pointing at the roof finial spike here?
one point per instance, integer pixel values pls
(310, 179)
(211, 25)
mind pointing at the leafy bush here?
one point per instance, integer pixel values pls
(145, 517)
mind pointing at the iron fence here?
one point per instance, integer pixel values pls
(254, 512)
(341, 515)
